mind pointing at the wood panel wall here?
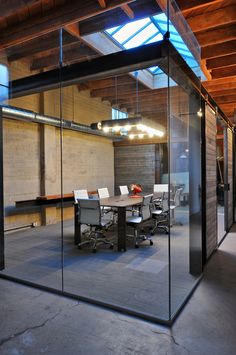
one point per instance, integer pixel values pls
(230, 177)
(135, 164)
(211, 182)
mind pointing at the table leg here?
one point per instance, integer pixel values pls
(77, 235)
(121, 229)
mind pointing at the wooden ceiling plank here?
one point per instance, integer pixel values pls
(128, 11)
(54, 19)
(186, 5)
(47, 42)
(224, 72)
(77, 52)
(212, 19)
(15, 5)
(226, 99)
(102, 3)
(216, 35)
(215, 50)
(222, 61)
(223, 92)
(117, 17)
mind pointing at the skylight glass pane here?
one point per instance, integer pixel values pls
(141, 37)
(157, 38)
(130, 29)
(112, 30)
(153, 69)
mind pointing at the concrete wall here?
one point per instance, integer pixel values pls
(32, 157)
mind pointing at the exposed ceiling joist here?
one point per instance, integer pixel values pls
(208, 20)
(216, 35)
(117, 17)
(187, 5)
(129, 12)
(54, 19)
(223, 72)
(219, 50)
(9, 8)
(222, 61)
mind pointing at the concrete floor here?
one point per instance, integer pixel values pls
(36, 322)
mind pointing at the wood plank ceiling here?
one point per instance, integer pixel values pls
(212, 21)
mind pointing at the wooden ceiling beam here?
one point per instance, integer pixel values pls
(222, 83)
(226, 99)
(47, 43)
(221, 92)
(113, 91)
(53, 20)
(216, 35)
(207, 20)
(102, 3)
(75, 53)
(110, 83)
(216, 50)
(187, 5)
(222, 61)
(117, 17)
(224, 72)
(9, 8)
(128, 11)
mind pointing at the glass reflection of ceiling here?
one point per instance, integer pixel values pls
(150, 30)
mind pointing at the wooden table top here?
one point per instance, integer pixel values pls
(121, 201)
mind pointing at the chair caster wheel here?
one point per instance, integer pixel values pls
(136, 246)
(151, 242)
(94, 250)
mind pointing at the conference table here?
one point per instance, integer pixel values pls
(121, 203)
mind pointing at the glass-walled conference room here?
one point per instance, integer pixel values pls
(102, 165)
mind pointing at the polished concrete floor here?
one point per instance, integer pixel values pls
(35, 322)
(136, 280)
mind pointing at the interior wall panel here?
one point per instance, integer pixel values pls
(135, 164)
(211, 182)
(230, 177)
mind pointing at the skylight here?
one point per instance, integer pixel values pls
(150, 30)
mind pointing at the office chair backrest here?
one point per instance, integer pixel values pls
(124, 190)
(160, 188)
(177, 197)
(103, 193)
(78, 194)
(89, 212)
(146, 208)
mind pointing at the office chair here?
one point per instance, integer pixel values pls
(90, 214)
(124, 190)
(78, 194)
(137, 221)
(173, 204)
(160, 216)
(104, 193)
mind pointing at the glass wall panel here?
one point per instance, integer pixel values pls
(32, 167)
(126, 147)
(185, 162)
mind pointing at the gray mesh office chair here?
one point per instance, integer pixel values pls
(137, 221)
(173, 205)
(160, 215)
(90, 214)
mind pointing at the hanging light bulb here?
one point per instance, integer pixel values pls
(131, 136)
(105, 129)
(141, 135)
